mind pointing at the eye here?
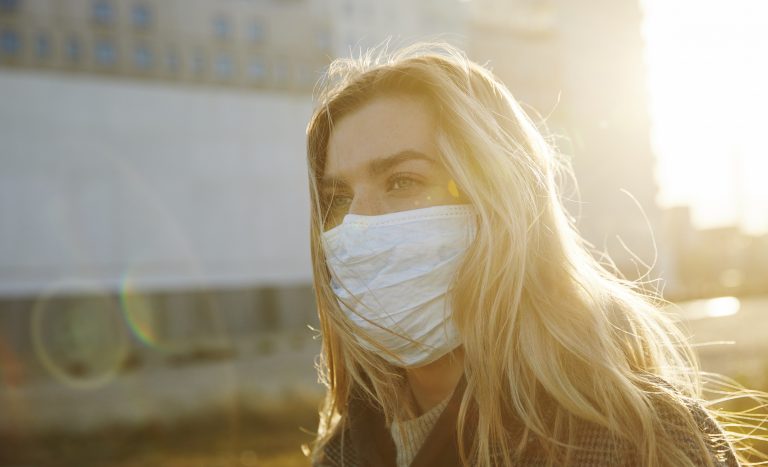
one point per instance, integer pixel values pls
(402, 182)
(340, 202)
(336, 207)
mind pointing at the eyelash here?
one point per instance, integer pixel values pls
(400, 177)
(330, 198)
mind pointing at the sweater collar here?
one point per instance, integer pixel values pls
(373, 442)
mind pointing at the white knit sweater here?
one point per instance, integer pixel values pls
(409, 435)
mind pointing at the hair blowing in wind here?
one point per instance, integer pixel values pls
(552, 337)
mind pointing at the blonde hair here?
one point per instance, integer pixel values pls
(558, 328)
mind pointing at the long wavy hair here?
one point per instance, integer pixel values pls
(558, 329)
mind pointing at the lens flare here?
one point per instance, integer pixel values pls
(139, 314)
(722, 306)
(453, 189)
(79, 339)
(710, 308)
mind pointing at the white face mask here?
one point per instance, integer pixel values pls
(391, 275)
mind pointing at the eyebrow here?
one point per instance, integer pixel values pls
(384, 163)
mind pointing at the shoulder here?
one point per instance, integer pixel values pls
(707, 428)
(709, 431)
(598, 446)
(682, 422)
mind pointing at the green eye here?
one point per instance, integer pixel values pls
(402, 183)
(339, 202)
(336, 208)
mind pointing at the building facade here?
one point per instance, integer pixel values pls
(152, 158)
(153, 150)
(235, 43)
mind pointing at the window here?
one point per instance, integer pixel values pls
(10, 44)
(142, 57)
(142, 16)
(73, 49)
(257, 70)
(103, 12)
(105, 53)
(43, 46)
(224, 66)
(222, 28)
(9, 6)
(257, 32)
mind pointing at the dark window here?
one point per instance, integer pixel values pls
(142, 57)
(257, 32)
(222, 27)
(224, 66)
(43, 46)
(142, 16)
(73, 49)
(105, 53)
(10, 44)
(103, 12)
(9, 6)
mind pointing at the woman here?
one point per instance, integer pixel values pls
(463, 320)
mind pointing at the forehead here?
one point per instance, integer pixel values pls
(381, 127)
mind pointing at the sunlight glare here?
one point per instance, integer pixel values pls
(707, 94)
(717, 307)
(722, 306)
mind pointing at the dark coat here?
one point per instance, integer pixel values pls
(367, 442)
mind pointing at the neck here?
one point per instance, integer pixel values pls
(432, 383)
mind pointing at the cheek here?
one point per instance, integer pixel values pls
(437, 195)
(457, 195)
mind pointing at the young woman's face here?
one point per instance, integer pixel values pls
(383, 158)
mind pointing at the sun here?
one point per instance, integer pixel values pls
(707, 81)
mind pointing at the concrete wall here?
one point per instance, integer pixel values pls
(108, 183)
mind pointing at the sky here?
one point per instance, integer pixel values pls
(708, 85)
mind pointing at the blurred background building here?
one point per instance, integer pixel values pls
(156, 147)
(153, 194)
(579, 72)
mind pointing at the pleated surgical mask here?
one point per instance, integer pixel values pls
(391, 275)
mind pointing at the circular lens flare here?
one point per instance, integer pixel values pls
(139, 314)
(79, 339)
